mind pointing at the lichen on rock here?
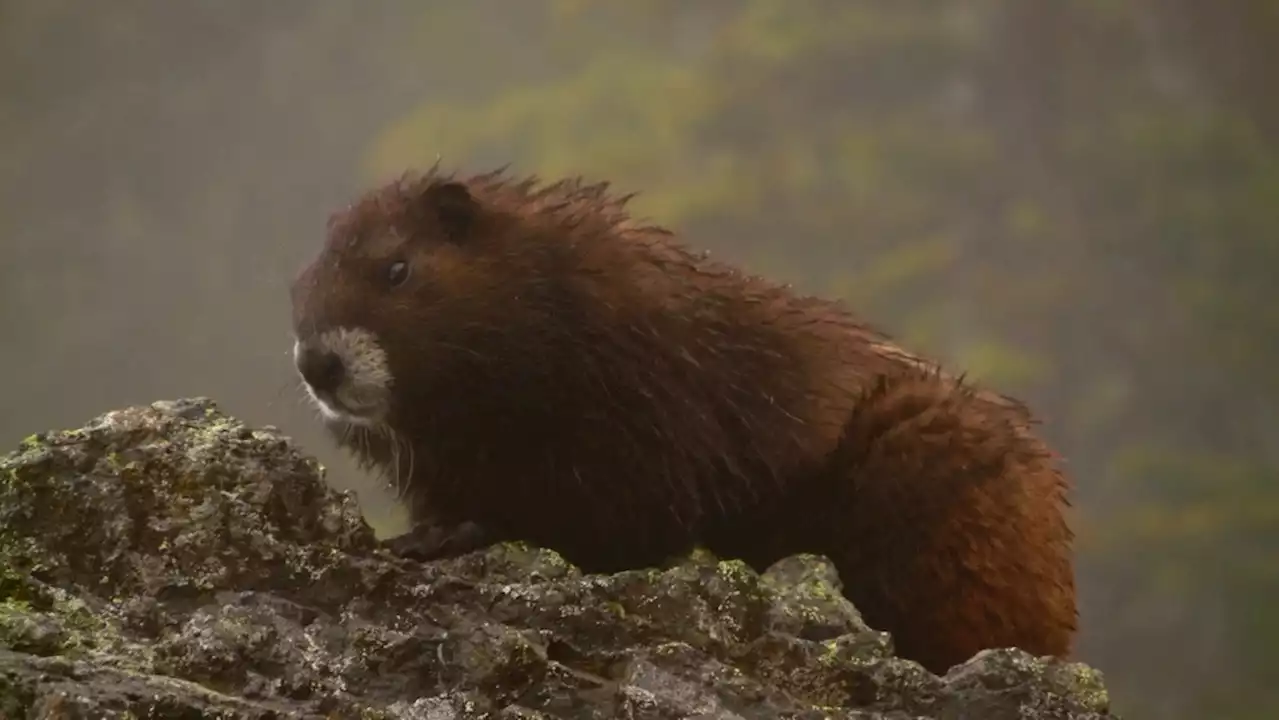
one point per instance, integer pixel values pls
(166, 561)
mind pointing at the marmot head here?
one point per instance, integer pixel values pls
(377, 307)
(431, 290)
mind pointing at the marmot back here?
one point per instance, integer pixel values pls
(529, 361)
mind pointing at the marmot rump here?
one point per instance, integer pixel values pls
(527, 361)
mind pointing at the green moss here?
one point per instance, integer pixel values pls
(9, 482)
(15, 622)
(735, 571)
(830, 652)
(1084, 683)
(14, 583)
(700, 555)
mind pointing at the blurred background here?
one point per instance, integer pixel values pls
(1070, 200)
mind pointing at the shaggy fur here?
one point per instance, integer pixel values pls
(563, 375)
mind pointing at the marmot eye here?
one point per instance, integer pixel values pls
(398, 273)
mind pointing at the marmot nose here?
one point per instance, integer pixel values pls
(322, 369)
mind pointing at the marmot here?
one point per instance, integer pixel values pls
(527, 361)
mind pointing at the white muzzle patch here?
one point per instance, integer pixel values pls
(363, 396)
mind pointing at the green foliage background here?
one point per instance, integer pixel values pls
(1069, 200)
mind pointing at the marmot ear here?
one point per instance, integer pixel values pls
(454, 208)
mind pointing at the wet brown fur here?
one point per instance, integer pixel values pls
(569, 377)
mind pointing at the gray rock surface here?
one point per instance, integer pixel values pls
(167, 561)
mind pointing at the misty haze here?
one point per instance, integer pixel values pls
(1069, 201)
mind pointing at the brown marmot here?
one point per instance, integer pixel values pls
(526, 361)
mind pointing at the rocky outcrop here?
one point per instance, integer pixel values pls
(169, 562)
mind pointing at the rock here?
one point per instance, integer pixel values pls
(169, 562)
